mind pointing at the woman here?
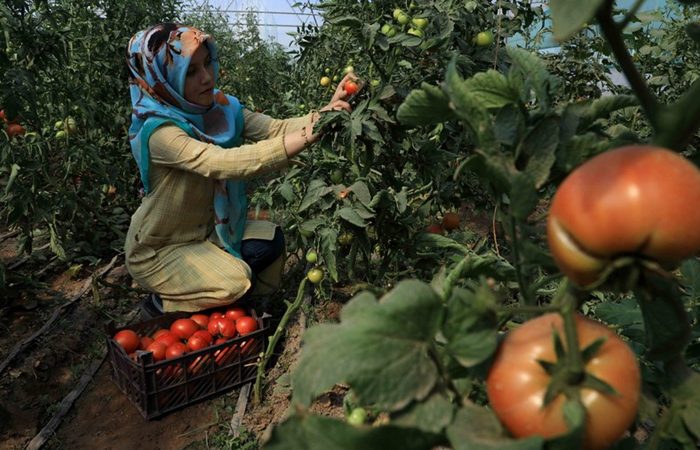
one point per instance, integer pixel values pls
(187, 138)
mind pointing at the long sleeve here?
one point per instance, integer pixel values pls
(171, 147)
(259, 126)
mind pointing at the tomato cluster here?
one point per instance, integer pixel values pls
(185, 335)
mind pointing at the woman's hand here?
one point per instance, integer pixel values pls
(338, 102)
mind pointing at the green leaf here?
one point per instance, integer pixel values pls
(570, 15)
(471, 326)
(509, 124)
(535, 74)
(425, 106)
(624, 314)
(350, 215)
(540, 146)
(317, 189)
(602, 108)
(523, 196)
(401, 200)
(310, 225)
(432, 415)
(380, 350)
(476, 428)
(13, 175)
(346, 21)
(468, 108)
(328, 242)
(491, 89)
(324, 433)
(361, 191)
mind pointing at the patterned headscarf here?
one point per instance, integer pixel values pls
(158, 58)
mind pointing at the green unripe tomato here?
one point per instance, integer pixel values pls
(375, 83)
(397, 13)
(403, 19)
(71, 125)
(357, 417)
(325, 81)
(337, 176)
(311, 256)
(391, 32)
(315, 275)
(335, 78)
(415, 32)
(471, 6)
(58, 125)
(328, 70)
(420, 23)
(484, 38)
(348, 69)
(386, 28)
(61, 134)
(345, 239)
(302, 106)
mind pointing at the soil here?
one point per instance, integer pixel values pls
(46, 370)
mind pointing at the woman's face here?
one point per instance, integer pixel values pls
(199, 82)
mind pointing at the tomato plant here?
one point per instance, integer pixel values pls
(629, 201)
(517, 382)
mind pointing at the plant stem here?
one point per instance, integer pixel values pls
(292, 308)
(568, 313)
(444, 374)
(524, 291)
(453, 276)
(617, 44)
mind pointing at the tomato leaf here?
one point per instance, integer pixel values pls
(323, 433)
(602, 107)
(316, 190)
(471, 325)
(476, 428)
(569, 16)
(492, 90)
(509, 125)
(400, 328)
(329, 239)
(523, 195)
(432, 415)
(539, 147)
(531, 72)
(350, 215)
(425, 106)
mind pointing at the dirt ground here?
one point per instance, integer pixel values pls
(46, 370)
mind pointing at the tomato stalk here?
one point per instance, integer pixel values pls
(575, 366)
(524, 290)
(292, 308)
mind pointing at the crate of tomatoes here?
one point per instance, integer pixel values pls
(181, 358)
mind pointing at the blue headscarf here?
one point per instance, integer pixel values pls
(158, 58)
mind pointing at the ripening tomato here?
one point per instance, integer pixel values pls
(128, 339)
(325, 81)
(635, 200)
(516, 383)
(200, 319)
(246, 325)
(175, 350)
(184, 328)
(351, 87)
(235, 313)
(450, 221)
(315, 275)
(158, 349)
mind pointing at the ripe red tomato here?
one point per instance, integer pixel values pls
(160, 332)
(636, 200)
(227, 328)
(184, 328)
(201, 319)
(203, 334)
(246, 325)
(128, 339)
(235, 313)
(145, 342)
(197, 342)
(167, 338)
(450, 221)
(216, 315)
(158, 349)
(434, 228)
(15, 129)
(175, 350)
(517, 383)
(351, 87)
(214, 326)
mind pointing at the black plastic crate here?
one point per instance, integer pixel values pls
(158, 388)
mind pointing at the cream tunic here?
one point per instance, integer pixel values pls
(167, 250)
